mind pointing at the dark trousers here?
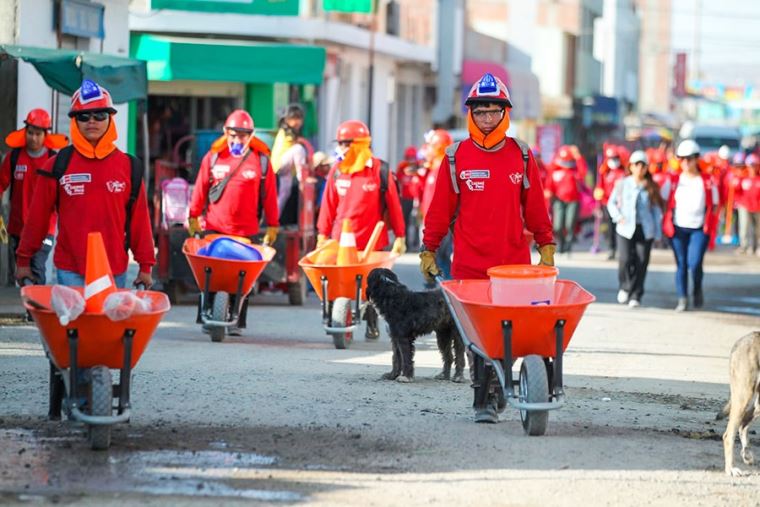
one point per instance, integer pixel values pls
(611, 232)
(564, 218)
(633, 262)
(412, 233)
(38, 260)
(689, 246)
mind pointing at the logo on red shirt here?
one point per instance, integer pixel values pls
(516, 178)
(369, 187)
(20, 172)
(116, 186)
(248, 174)
(73, 184)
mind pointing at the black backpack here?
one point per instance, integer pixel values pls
(14, 154)
(264, 162)
(61, 163)
(385, 175)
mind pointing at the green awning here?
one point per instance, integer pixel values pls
(171, 59)
(64, 70)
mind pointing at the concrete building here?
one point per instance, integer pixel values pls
(655, 66)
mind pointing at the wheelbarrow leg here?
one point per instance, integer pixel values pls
(126, 371)
(56, 393)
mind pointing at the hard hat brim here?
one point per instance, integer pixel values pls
(471, 101)
(109, 110)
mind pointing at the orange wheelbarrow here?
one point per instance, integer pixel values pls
(224, 286)
(82, 355)
(338, 287)
(497, 335)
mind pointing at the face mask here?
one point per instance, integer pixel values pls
(236, 149)
(340, 153)
(614, 163)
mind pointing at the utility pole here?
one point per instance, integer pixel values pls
(370, 86)
(697, 38)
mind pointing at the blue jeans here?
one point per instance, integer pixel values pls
(72, 279)
(689, 246)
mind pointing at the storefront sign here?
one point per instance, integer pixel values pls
(549, 140)
(81, 19)
(360, 6)
(270, 7)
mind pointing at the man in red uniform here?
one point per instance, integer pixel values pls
(563, 190)
(360, 188)
(31, 146)
(493, 192)
(93, 193)
(407, 174)
(748, 203)
(608, 174)
(235, 161)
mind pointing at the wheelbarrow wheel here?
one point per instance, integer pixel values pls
(534, 388)
(342, 317)
(219, 312)
(100, 401)
(297, 292)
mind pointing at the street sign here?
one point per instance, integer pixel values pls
(269, 7)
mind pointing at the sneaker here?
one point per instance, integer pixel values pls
(372, 333)
(622, 297)
(234, 331)
(682, 305)
(634, 303)
(611, 256)
(486, 415)
(699, 299)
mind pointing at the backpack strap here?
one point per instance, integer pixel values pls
(264, 163)
(451, 152)
(525, 150)
(14, 154)
(135, 180)
(61, 163)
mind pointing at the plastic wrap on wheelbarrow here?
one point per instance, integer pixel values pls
(533, 327)
(224, 273)
(227, 248)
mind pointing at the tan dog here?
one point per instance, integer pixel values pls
(744, 402)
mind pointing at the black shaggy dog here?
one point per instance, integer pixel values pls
(411, 314)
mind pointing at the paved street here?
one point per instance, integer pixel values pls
(278, 416)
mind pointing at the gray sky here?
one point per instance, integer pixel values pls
(729, 42)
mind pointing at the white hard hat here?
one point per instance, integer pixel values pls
(724, 152)
(687, 148)
(638, 156)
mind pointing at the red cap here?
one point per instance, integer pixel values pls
(350, 130)
(410, 152)
(565, 158)
(611, 152)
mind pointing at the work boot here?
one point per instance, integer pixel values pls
(682, 305)
(699, 299)
(486, 414)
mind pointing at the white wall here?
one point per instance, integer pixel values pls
(35, 28)
(549, 61)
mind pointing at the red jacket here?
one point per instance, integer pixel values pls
(357, 196)
(711, 218)
(411, 185)
(428, 186)
(748, 194)
(563, 184)
(21, 179)
(607, 179)
(92, 196)
(237, 211)
(491, 210)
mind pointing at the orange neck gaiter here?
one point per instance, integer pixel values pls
(104, 147)
(17, 139)
(356, 157)
(255, 144)
(495, 137)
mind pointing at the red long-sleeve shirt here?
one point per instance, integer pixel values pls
(563, 183)
(357, 197)
(92, 196)
(748, 193)
(607, 179)
(493, 209)
(409, 180)
(237, 211)
(21, 179)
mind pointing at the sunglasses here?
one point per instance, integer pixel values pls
(493, 113)
(97, 116)
(344, 143)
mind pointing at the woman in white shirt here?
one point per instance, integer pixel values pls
(690, 221)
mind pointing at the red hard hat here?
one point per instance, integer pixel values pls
(239, 120)
(565, 157)
(611, 152)
(488, 89)
(440, 138)
(410, 152)
(91, 97)
(350, 130)
(38, 118)
(752, 160)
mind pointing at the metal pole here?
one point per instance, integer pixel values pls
(370, 85)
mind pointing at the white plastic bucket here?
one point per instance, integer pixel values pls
(521, 285)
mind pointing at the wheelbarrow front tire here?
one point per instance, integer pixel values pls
(100, 402)
(534, 388)
(342, 316)
(219, 312)
(297, 292)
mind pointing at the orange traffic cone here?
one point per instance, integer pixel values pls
(347, 253)
(98, 279)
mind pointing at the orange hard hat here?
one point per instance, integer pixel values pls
(440, 138)
(91, 97)
(239, 120)
(565, 158)
(350, 130)
(38, 118)
(489, 89)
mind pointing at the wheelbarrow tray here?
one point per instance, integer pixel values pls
(100, 338)
(533, 327)
(225, 273)
(341, 280)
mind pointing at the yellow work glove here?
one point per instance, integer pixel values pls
(399, 246)
(193, 226)
(321, 238)
(271, 235)
(3, 232)
(428, 267)
(598, 193)
(547, 254)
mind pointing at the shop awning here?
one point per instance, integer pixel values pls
(222, 60)
(64, 70)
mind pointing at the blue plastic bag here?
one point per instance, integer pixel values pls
(228, 248)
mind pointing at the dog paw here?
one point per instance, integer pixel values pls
(404, 379)
(734, 472)
(389, 376)
(443, 376)
(458, 378)
(748, 457)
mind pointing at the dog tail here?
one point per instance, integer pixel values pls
(724, 411)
